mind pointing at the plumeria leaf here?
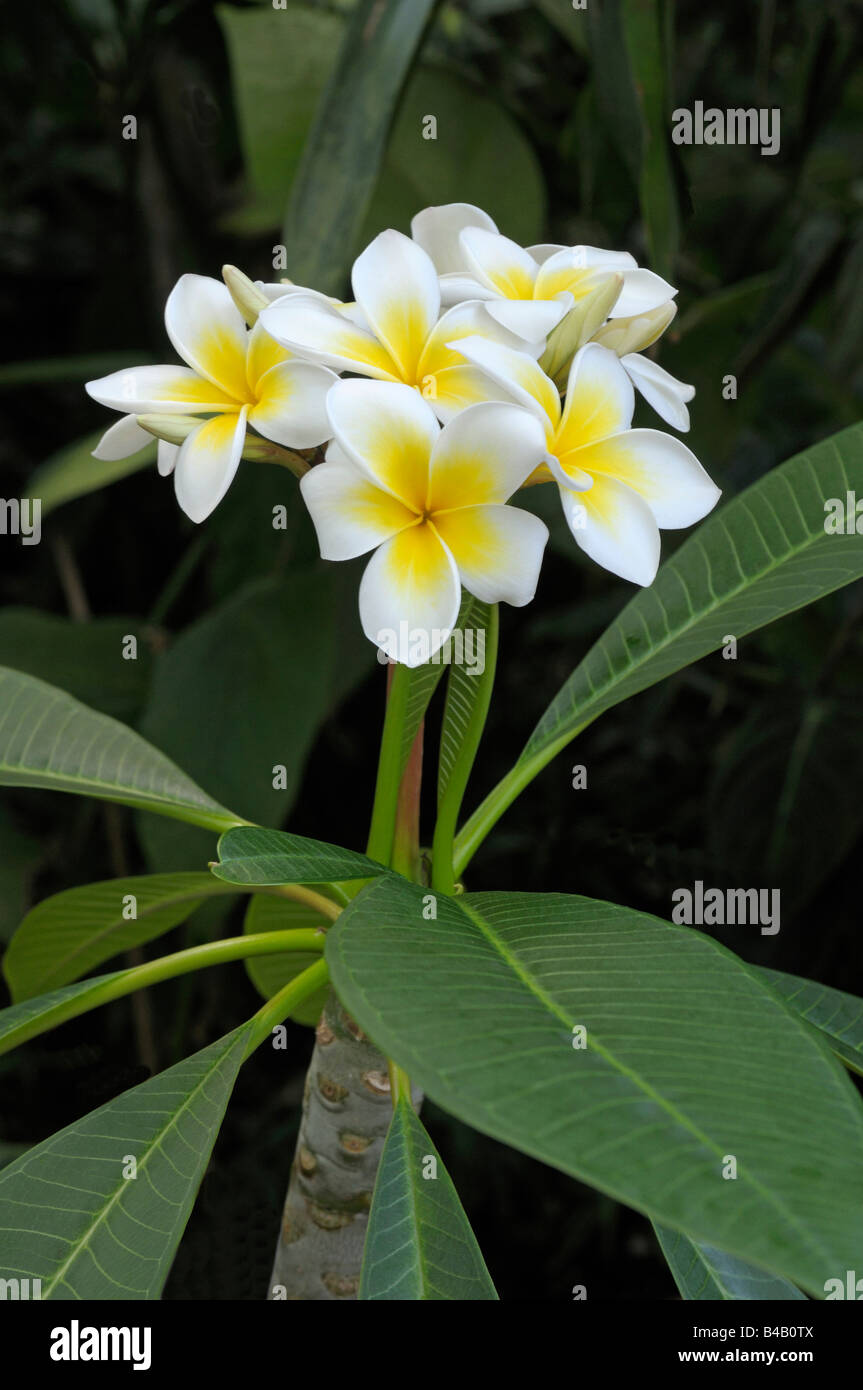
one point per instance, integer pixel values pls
(463, 687)
(419, 1244)
(74, 1215)
(72, 472)
(250, 855)
(342, 157)
(67, 935)
(269, 974)
(839, 1016)
(640, 1057)
(50, 740)
(80, 657)
(766, 553)
(704, 1273)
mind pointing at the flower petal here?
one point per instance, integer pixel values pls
(351, 516)
(568, 270)
(292, 404)
(498, 551)
(208, 331)
(459, 286)
(530, 319)
(396, 286)
(164, 390)
(166, 457)
(599, 402)
(615, 527)
(120, 440)
(484, 455)
(388, 430)
(450, 391)
(660, 389)
(409, 595)
(262, 353)
(437, 231)
(518, 374)
(660, 468)
(322, 333)
(642, 291)
(499, 263)
(207, 462)
(469, 320)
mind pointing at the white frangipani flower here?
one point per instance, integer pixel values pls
(530, 291)
(395, 331)
(618, 485)
(430, 502)
(236, 376)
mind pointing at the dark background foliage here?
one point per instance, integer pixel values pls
(734, 772)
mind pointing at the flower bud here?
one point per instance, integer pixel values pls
(579, 327)
(249, 299)
(636, 333)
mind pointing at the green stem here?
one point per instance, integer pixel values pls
(277, 1009)
(382, 830)
(298, 893)
(500, 798)
(165, 968)
(444, 870)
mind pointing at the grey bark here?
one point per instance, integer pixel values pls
(346, 1114)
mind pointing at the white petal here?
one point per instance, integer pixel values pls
(530, 319)
(660, 389)
(208, 460)
(292, 404)
(163, 390)
(396, 286)
(544, 251)
(122, 439)
(437, 230)
(616, 528)
(642, 290)
(499, 263)
(322, 333)
(208, 331)
(351, 516)
(409, 596)
(498, 551)
(599, 401)
(457, 287)
(660, 468)
(484, 455)
(166, 457)
(516, 373)
(388, 431)
(608, 260)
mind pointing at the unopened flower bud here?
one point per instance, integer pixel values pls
(247, 296)
(638, 332)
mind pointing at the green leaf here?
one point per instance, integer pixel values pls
(280, 60)
(704, 1273)
(464, 686)
(73, 472)
(645, 30)
(66, 935)
(249, 855)
(762, 555)
(69, 1216)
(267, 666)
(331, 192)
(49, 740)
(83, 368)
(83, 658)
(20, 856)
(839, 1016)
(419, 1244)
(689, 1059)
(269, 974)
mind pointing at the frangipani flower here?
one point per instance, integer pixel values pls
(395, 331)
(617, 485)
(237, 377)
(430, 502)
(530, 291)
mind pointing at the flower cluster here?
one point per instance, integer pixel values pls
(467, 367)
